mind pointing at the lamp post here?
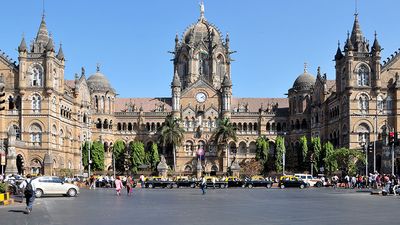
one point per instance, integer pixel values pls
(90, 160)
(284, 157)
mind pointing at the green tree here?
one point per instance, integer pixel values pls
(329, 162)
(85, 154)
(304, 147)
(346, 159)
(280, 150)
(119, 149)
(137, 155)
(223, 133)
(152, 156)
(262, 152)
(316, 152)
(97, 155)
(170, 133)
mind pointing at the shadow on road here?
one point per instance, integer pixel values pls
(17, 211)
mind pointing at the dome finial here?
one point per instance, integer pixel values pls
(98, 67)
(202, 9)
(305, 67)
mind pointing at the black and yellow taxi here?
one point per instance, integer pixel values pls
(157, 181)
(258, 181)
(234, 182)
(184, 181)
(291, 181)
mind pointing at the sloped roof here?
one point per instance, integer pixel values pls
(254, 104)
(148, 104)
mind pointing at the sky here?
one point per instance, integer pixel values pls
(130, 39)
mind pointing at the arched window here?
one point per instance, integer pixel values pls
(379, 103)
(17, 131)
(35, 132)
(363, 76)
(389, 103)
(36, 102)
(189, 148)
(220, 67)
(242, 148)
(203, 64)
(252, 147)
(363, 103)
(10, 103)
(363, 133)
(36, 75)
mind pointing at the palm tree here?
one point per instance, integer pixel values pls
(171, 133)
(225, 131)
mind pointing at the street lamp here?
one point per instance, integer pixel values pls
(284, 157)
(364, 145)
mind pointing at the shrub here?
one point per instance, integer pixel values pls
(3, 187)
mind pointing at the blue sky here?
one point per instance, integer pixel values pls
(131, 39)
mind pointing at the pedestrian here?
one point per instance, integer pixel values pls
(129, 183)
(118, 185)
(213, 181)
(92, 182)
(29, 192)
(203, 185)
(141, 181)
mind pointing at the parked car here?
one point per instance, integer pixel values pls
(291, 181)
(218, 183)
(235, 182)
(49, 185)
(153, 182)
(184, 182)
(310, 180)
(258, 181)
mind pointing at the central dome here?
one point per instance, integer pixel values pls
(304, 81)
(99, 81)
(201, 31)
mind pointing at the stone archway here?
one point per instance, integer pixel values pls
(36, 166)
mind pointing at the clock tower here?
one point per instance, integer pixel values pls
(201, 65)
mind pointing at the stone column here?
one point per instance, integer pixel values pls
(235, 168)
(199, 169)
(48, 165)
(11, 167)
(162, 167)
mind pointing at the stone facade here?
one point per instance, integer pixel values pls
(51, 116)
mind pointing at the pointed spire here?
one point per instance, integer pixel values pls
(376, 47)
(22, 45)
(176, 82)
(339, 54)
(176, 40)
(50, 45)
(349, 46)
(60, 54)
(356, 34)
(42, 36)
(227, 40)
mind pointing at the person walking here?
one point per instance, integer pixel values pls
(129, 183)
(141, 178)
(118, 185)
(29, 192)
(203, 185)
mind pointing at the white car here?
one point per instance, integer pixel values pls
(310, 180)
(47, 185)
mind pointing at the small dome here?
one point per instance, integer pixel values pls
(98, 81)
(304, 81)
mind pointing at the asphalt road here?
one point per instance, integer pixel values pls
(217, 207)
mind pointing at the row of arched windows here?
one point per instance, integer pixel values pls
(104, 124)
(276, 127)
(246, 127)
(297, 126)
(149, 127)
(65, 112)
(102, 104)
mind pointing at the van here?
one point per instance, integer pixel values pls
(310, 180)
